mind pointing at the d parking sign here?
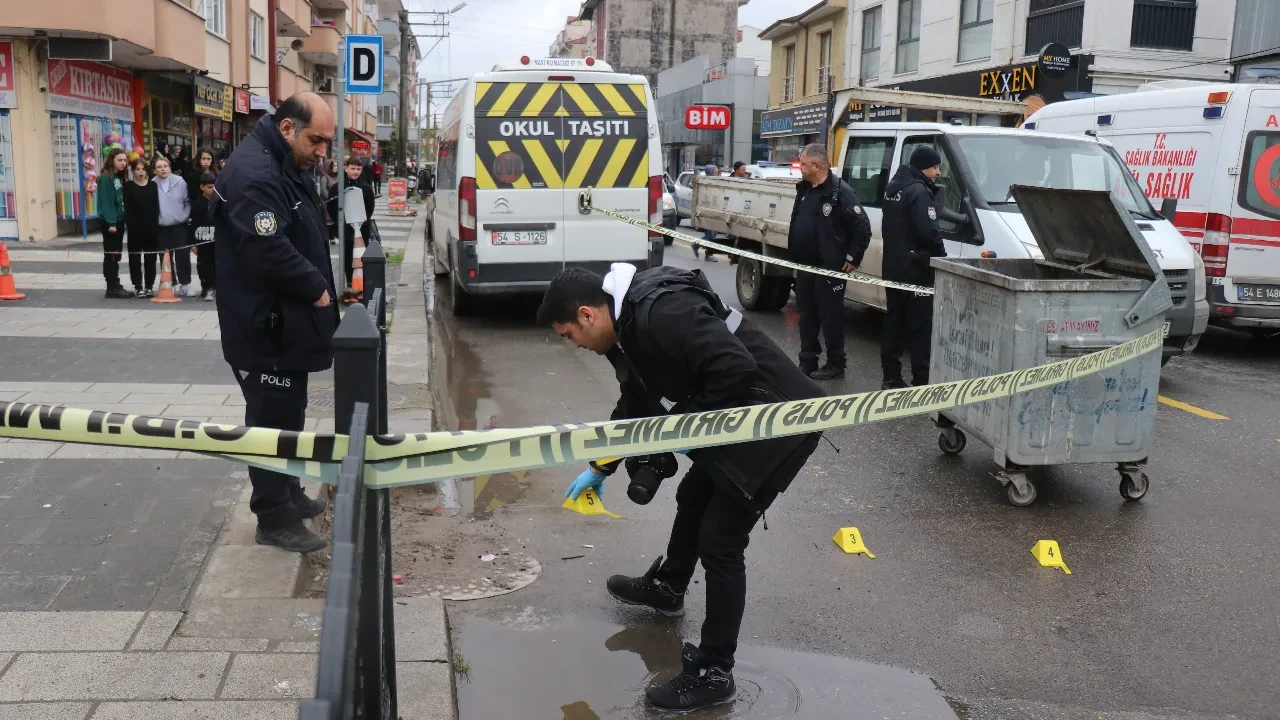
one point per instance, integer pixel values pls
(364, 64)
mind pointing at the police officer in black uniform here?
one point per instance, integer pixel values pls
(911, 237)
(828, 230)
(275, 299)
(677, 348)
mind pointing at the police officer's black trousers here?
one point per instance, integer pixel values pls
(714, 525)
(820, 301)
(906, 327)
(274, 400)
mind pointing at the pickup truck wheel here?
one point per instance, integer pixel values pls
(751, 285)
(777, 292)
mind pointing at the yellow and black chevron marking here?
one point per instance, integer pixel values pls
(561, 135)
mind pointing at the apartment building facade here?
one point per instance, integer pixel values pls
(571, 42)
(193, 74)
(646, 37)
(989, 48)
(807, 63)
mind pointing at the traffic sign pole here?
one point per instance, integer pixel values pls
(337, 151)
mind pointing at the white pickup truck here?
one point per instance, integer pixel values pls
(979, 163)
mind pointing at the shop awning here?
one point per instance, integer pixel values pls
(353, 134)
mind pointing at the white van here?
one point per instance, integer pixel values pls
(518, 147)
(1216, 149)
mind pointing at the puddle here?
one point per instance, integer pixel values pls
(592, 670)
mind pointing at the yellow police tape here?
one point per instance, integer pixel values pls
(393, 460)
(729, 250)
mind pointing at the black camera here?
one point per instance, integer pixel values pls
(647, 473)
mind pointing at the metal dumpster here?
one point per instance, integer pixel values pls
(1098, 285)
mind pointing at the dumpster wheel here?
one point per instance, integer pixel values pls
(1133, 485)
(952, 441)
(1018, 488)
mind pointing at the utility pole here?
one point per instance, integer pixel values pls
(402, 111)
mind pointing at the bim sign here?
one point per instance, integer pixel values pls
(707, 117)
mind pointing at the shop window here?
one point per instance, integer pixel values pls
(867, 166)
(908, 59)
(975, 29)
(870, 68)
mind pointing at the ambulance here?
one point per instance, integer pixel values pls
(1215, 148)
(517, 150)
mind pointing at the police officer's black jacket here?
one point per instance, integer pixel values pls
(843, 229)
(676, 346)
(910, 228)
(272, 260)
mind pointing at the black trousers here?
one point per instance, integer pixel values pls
(205, 268)
(274, 400)
(112, 245)
(907, 326)
(820, 301)
(141, 241)
(714, 525)
(175, 236)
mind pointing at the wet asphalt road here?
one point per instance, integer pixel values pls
(1172, 610)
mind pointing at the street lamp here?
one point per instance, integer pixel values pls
(459, 7)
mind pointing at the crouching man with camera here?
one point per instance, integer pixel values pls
(676, 348)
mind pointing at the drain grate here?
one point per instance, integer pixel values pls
(320, 400)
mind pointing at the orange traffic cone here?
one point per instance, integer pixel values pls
(8, 291)
(165, 293)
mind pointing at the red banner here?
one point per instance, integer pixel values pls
(8, 95)
(242, 101)
(398, 195)
(90, 88)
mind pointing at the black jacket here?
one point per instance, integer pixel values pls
(844, 232)
(273, 260)
(910, 228)
(676, 345)
(331, 206)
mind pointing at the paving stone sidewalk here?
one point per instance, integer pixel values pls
(130, 584)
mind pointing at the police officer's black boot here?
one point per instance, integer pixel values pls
(648, 590)
(308, 507)
(828, 372)
(293, 536)
(699, 685)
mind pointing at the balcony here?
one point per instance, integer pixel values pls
(321, 47)
(331, 5)
(293, 18)
(822, 80)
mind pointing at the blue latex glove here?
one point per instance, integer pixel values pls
(589, 479)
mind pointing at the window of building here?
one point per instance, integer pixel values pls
(823, 83)
(1054, 21)
(1163, 24)
(867, 165)
(789, 77)
(386, 114)
(257, 36)
(908, 59)
(215, 16)
(870, 68)
(975, 29)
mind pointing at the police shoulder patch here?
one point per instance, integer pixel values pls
(826, 208)
(933, 214)
(857, 209)
(265, 222)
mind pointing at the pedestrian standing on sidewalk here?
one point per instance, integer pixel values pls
(204, 164)
(178, 162)
(142, 215)
(276, 307)
(201, 237)
(175, 211)
(357, 210)
(828, 230)
(377, 178)
(111, 216)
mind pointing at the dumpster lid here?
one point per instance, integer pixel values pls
(1086, 228)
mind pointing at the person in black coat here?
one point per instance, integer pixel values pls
(911, 237)
(276, 306)
(828, 230)
(142, 216)
(686, 352)
(355, 181)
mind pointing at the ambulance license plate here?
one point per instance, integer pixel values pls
(1258, 293)
(519, 237)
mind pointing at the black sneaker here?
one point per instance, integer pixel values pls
(698, 686)
(898, 384)
(294, 538)
(648, 591)
(308, 507)
(808, 368)
(828, 372)
(118, 292)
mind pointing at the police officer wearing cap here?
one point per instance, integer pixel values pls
(911, 237)
(828, 230)
(275, 293)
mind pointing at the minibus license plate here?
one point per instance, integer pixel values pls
(1259, 293)
(519, 237)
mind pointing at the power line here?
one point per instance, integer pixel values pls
(1246, 56)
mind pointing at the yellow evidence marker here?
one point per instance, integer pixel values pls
(850, 541)
(588, 503)
(1049, 554)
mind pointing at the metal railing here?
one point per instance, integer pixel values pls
(356, 677)
(788, 88)
(823, 80)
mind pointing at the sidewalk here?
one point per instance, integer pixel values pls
(130, 585)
